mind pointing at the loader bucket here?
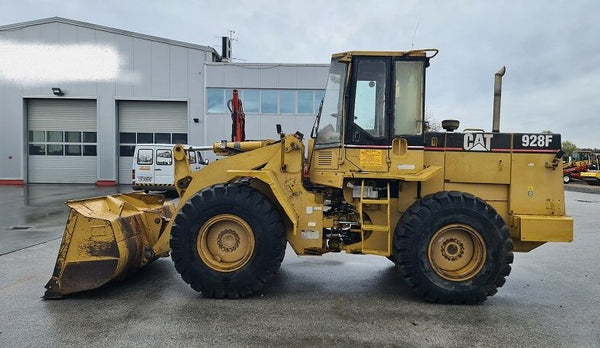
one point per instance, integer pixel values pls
(107, 238)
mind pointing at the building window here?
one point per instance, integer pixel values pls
(179, 138)
(37, 136)
(37, 149)
(128, 140)
(73, 150)
(287, 102)
(89, 150)
(305, 102)
(215, 100)
(62, 143)
(251, 101)
(162, 138)
(73, 137)
(89, 137)
(267, 101)
(145, 138)
(54, 136)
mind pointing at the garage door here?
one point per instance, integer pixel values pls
(145, 122)
(62, 141)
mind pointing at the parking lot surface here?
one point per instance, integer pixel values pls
(551, 298)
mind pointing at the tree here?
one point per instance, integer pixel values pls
(431, 124)
(568, 147)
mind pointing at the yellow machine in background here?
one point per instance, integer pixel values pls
(448, 208)
(583, 165)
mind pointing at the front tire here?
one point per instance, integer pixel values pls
(228, 241)
(452, 247)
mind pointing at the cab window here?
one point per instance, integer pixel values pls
(368, 122)
(408, 97)
(369, 101)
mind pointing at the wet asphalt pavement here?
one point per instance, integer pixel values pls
(551, 298)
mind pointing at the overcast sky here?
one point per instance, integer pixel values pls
(551, 49)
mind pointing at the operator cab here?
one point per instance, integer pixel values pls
(372, 113)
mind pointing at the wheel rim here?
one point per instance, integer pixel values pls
(225, 243)
(566, 179)
(457, 252)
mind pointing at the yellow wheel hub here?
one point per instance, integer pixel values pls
(225, 243)
(457, 252)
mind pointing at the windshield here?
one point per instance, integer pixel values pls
(580, 156)
(330, 118)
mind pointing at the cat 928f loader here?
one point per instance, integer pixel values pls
(447, 208)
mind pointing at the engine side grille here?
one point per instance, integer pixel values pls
(325, 158)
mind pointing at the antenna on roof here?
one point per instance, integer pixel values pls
(412, 43)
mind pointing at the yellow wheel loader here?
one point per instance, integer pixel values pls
(448, 208)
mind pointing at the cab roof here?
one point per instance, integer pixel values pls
(426, 52)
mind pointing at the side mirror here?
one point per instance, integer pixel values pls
(205, 162)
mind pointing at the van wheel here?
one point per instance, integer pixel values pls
(452, 247)
(228, 241)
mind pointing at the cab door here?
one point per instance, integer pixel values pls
(366, 139)
(408, 86)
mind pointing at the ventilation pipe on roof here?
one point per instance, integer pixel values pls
(226, 49)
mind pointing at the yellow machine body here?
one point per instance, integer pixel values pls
(591, 177)
(374, 183)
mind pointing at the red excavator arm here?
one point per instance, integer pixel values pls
(238, 124)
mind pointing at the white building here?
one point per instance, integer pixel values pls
(76, 97)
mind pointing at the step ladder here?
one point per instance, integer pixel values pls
(375, 228)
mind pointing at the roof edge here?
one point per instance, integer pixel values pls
(21, 25)
(269, 65)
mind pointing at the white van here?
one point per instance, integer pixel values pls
(153, 167)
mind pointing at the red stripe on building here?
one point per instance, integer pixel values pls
(12, 182)
(106, 183)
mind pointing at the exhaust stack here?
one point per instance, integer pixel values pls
(497, 97)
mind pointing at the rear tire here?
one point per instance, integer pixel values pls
(566, 178)
(228, 241)
(452, 247)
